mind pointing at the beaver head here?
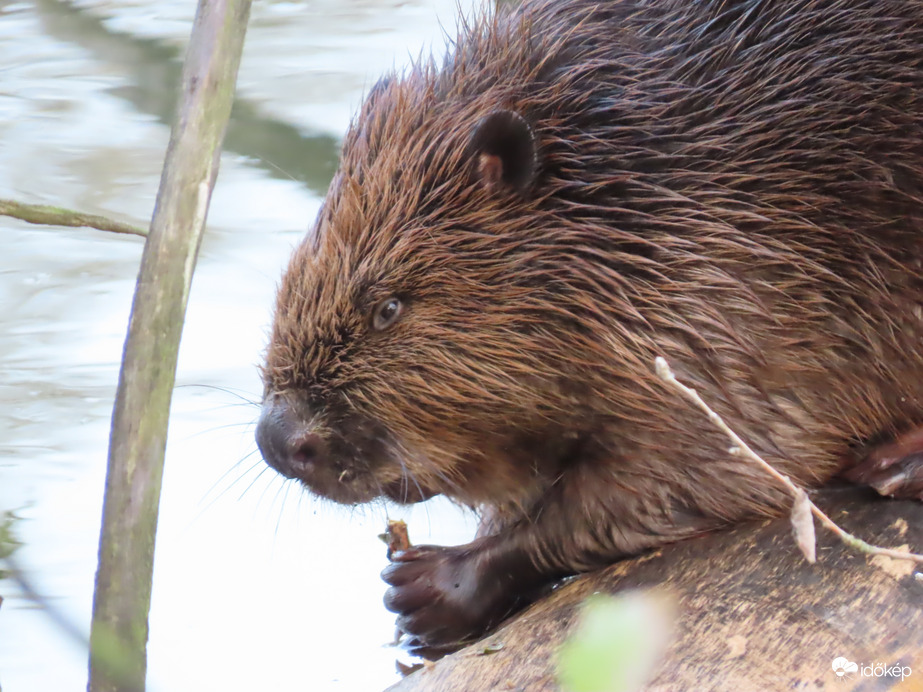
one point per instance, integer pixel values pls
(416, 345)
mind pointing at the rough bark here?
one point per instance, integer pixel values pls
(754, 614)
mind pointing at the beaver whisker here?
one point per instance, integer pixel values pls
(235, 467)
(405, 480)
(226, 390)
(286, 486)
(258, 476)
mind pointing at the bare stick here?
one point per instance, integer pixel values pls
(742, 449)
(142, 405)
(45, 215)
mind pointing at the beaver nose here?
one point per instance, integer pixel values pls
(287, 444)
(306, 449)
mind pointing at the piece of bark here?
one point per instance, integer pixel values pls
(396, 537)
(753, 614)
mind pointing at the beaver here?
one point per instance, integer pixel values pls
(517, 231)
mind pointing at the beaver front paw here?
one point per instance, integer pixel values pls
(444, 596)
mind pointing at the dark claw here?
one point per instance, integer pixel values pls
(894, 469)
(903, 479)
(424, 624)
(414, 553)
(431, 653)
(401, 573)
(407, 600)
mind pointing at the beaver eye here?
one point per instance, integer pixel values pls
(386, 313)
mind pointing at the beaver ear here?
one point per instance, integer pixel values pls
(504, 148)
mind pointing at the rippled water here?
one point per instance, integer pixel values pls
(256, 585)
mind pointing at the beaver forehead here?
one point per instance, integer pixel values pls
(386, 200)
(326, 300)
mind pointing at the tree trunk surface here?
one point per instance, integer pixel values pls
(753, 614)
(138, 436)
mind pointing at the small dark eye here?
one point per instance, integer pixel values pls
(386, 313)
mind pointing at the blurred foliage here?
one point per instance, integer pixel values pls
(8, 542)
(617, 643)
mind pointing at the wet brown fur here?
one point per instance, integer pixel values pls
(736, 186)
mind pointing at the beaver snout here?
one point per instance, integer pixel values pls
(347, 461)
(287, 443)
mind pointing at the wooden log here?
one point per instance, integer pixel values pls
(753, 613)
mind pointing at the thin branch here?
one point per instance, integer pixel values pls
(16, 574)
(110, 657)
(45, 215)
(742, 449)
(140, 416)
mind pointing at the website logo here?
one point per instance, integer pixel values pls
(842, 666)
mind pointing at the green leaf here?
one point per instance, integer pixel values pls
(617, 643)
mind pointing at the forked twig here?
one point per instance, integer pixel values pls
(741, 448)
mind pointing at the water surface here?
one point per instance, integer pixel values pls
(257, 586)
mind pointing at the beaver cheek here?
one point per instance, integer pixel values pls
(440, 595)
(408, 491)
